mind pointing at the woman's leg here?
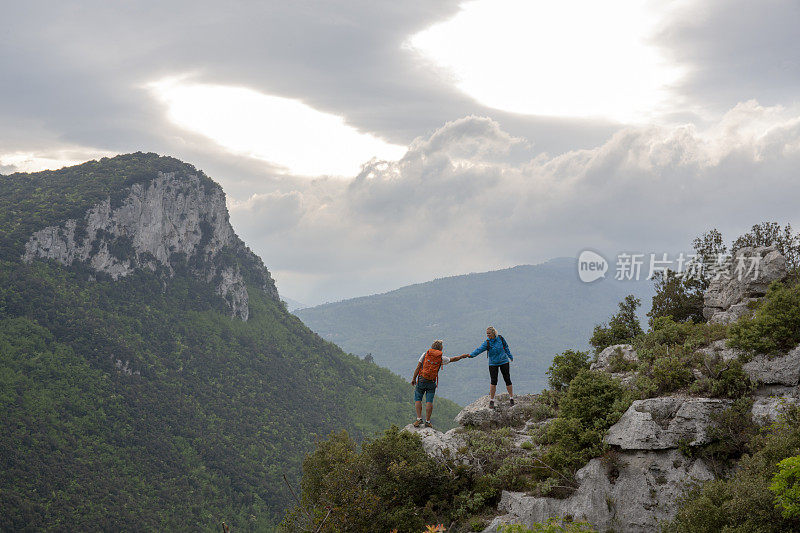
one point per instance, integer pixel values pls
(492, 381)
(506, 370)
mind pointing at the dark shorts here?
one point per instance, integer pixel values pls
(426, 387)
(504, 368)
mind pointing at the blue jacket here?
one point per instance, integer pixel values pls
(498, 354)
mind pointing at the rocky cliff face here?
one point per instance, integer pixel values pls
(651, 469)
(174, 219)
(749, 275)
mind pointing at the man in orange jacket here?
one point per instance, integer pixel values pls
(426, 377)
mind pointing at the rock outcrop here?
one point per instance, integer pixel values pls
(640, 484)
(623, 353)
(442, 446)
(665, 423)
(632, 490)
(780, 370)
(619, 360)
(635, 495)
(767, 409)
(174, 218)
(727, 298)
(478, 414)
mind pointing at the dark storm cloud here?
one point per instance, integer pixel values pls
(736, 50)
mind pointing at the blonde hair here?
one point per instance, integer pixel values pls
(491, 328)
(438, 345)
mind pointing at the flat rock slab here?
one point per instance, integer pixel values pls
(767, 409)
(663, 423)
(479, 415)
(781, 370)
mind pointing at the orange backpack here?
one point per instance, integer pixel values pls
(431, 365)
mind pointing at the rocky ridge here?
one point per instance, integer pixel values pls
(173, 219)
(650, 471)
(749, 274)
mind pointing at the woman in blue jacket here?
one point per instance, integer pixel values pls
(499, 360)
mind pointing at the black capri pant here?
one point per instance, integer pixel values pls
(504, 368)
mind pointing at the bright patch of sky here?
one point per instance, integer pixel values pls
(568, 58)
(49, 160)
(282, 131)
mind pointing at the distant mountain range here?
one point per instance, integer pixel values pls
(541, 310)
(293, 305)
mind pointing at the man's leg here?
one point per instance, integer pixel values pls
(429, 402)
(418, 404)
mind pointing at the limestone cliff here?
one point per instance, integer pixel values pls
(175, 219)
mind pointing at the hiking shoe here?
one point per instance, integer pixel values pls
(491, 404)
(418, 423)
(511, 401)
(428, 424)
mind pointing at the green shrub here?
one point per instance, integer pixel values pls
(772, 234)
(671, 373)
(681, 297)
(551, 526)
(743, 502)
(690, 335)
(775, 327)
(391, 483)
(786, 487)
(596, 399)
(565, 367)
(570, 445)
(507, 466)
(593, 402)
(668, 360)
(722, 379)
(678, 298)
(622, 328)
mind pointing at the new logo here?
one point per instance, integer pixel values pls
(591, 266)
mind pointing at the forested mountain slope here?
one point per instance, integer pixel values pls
(150, 378)
(540, 310)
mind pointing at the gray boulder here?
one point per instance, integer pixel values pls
(768, 409)
(781, 370)
(663, 423)
(734, 312)
(726, 298)
(604, 358)
(720, 348)
(440, 445)
(635, 495)
(479, 415)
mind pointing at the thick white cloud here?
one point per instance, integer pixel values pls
(453, 203)
(577, 58)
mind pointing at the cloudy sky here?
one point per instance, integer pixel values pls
(365, 145)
